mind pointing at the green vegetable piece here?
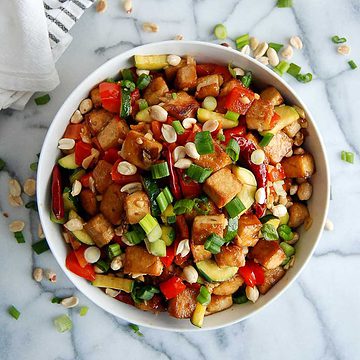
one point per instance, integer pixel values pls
(288, 249)
(40, 246)
(220, 31)
(204, 143)
(19, 237)
(284, 3)
(204, 296)
(352, 64)
(304, 78)
(42, 100)
(246, 79)
(136, 329)
(338, 40)
(14, 312)
(2, 164)
(32, 205)
(269, 232)
(63, 323)
(276, 46)
(294, 70)
(83, 310)
(183, 206)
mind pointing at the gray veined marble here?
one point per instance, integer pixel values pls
(318, 317)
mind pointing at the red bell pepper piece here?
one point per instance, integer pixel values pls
(172, 287)
(82, 151)
(189, 188)
(57, 201)
(72, 264)
(85, 180)
(276, 173)
(156, 129)
(234, 132)
(183, 138)
(110, 96)
(174, 179)
(134, 97)
(122, 179)
(111, 155)
(170, 255)
(252, 273)
(79, 253)
(234, 100)
(73, 131)
(274, 120)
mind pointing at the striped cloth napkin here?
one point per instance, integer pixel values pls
(39, 36)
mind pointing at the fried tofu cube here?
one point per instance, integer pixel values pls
(229, 287)
(222, 187)
(113, 133)
(268, 254)
(139, 261)
(170, 71)
(259, 115)
(272, 95)
(97, 119)
(137, 205)
(219, 303)
(142, 155)
(278, 147)
(228, 86)
(102, 176)
(216, 160)
(156, 89)
(88, 201)
(183, 305)
(248, 230)
(100, 230)
(230, 255)
(112, 204)
(95, 97)
(271, 277)
(298, 213)
(182, 107)
(186, 77)
(208, 86)
(299, 166)
(205, 225)
(199, 253)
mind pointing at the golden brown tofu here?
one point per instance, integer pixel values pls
(141, 127)
(216, 160)
(228, 86)
(208, 86)
(156, 89)
(186, 77)
(113, 133)
(272, 95)
(271, 277)
(205, 225)
(299, 166)
(298, 213)
(142, 155)
(268, 254)
(183, 106)
(292, 129)
(102, 176)
(139, 261)
(229, 287)
(170, 71)
(95, 97)
(248, 230)
(183, 305)
(230, 255)
(100, 230)
(137, 205)
(97, 119)
(112, 204)
(222, 187)
(199, 253)
(259, 115)
(88, 201)
(278, 147)
(219, 303)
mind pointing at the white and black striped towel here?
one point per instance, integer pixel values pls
(37, 35)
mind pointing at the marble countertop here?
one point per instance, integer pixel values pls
(318, 317)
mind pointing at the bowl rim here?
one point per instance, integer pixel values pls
(42, 185)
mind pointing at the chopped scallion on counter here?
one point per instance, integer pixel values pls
(235, 207)
(19, 236)
(198, 173)
(241, 41)
(282, 67)
(276, 46)
(176, 124)
(266, 139)
(233, 150)
(204, 296)
(220, 31)
(63, 323)
(348, 156)
(143, 104)
(34, 166)
(246, 79)
(56, 300)
(14, 312)
(284, 3)
(204, 143)
(42, 100)
(304, 78)
(231, 115)
(2, 164)
(352, 64)
(32, 205)
(83, 310)
(337, 39)
(40, 246)
(183, 206)
(214, 243)
(160, 170)
(136, 329)
(294, 69)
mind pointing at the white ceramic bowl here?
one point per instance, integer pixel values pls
(203, 52)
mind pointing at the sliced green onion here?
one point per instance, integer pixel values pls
(304, 78)
(220, 31)
(14, 312)
(127, 74)
(246, 79)
(221, 137)
(135, 236)
(174, 96)
(34, 166)
(200, 209)
(294, 69)
(204, 142)
(42, 100)
(288, 249)
(235, 207)
(266, 139)
(2, 164)
(232, 228)
(209, 103)
(114, 250)
(162, 202)
(240, 297)
(40, 246)
(284, 3)
(171, 219)
(266, 218)
(214, 243)
(148, 223)
(233, 149)
(19, 237)
(269, 232)
(63, 323)
(178, 127)
(276, 46)
(146, 292)
(343, 155)
(32, 205)
(110, 80)
(231, 115)
(143, 81)
(143, 104)
(135, 328)
(128, 84)
(285, 232)
(152, 189)
(103, 265)
(241, 41)
(56, 300)
(83, 310)
(338, 40)
(348, 156)
(198, 173)
(352, 64)
(282, 67)
(204, 296)
(231, 71)
(160, 170)
(183, 206)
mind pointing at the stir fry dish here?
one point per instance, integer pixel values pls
(181, 186)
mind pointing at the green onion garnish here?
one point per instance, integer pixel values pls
(56, 300)
(240, 297)
(143, 81)
(204, 143)
(136, 330)
(269, 232)
(83, 310)
(42, 100)
(288, 249)
(294, 69)
(235, 207)
(136, 235)
(14, 312)
(173, 96)
(148, 223)
(127, 75)
(241, 41)
(352, 64)
(220, 31)
(164, 199)
(128, 84)
(304, 78)
(221, 137)
(114, 250)
(266, 139)
(285, 232)
(143, 104)
(160, 170)
(2, 164)
(146, 292)
(176, 124)
(276, 46)
(204, 296)
(32, 205)
(40, 246)
(209, 103)
(281, 68)
(348, 156)
(338, 40)
(103, 265)
(34, 166)
(183, 206)
(231, 115)
(110, 80)
(246, 79)
(63, 323)
(198, 173)
(214, 243)
(19, 237)
(233, 149)
(284, 3)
